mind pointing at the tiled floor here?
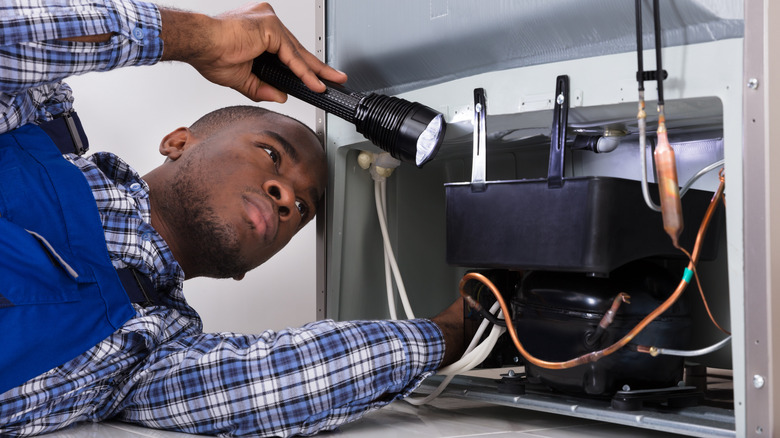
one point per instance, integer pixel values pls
(445, 417)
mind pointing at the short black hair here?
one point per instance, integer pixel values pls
(214, 121)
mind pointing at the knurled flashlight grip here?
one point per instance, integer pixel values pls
(336, 99)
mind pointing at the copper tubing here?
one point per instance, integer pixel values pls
(610, 315)
(707, 306)
(607, 319)
(596, 355)
(710, 210)
(704, 298)
(668, 188)
(705, 223)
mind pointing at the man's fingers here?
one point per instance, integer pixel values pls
(271, 94)
(307, 66)
(258, 91)
(333, 75)
(322, 70)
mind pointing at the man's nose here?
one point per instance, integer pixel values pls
(284, 197)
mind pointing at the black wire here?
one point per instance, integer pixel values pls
(492, 318)
(659, 70)
(484, 312)
(639, 56)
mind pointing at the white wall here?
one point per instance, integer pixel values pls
(128, 111)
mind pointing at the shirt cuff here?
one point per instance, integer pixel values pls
(424, 343)
(138, 25)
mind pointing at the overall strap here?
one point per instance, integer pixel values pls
(67, 133)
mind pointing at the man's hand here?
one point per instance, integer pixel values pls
(222, 49)
(450, 322)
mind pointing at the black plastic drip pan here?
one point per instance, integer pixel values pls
(589, 224)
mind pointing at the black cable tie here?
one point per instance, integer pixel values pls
(492, 318)
(642, 76)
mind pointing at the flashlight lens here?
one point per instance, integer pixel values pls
(429, 140)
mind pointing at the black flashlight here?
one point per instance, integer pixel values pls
(407, 130)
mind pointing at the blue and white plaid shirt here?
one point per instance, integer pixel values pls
(160, 369)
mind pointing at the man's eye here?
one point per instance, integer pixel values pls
(272, 153)
(302, 208)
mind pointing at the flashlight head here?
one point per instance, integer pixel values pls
(409, 131)
(426, 129)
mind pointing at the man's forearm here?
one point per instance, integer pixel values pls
(450, 322)
(186, 35)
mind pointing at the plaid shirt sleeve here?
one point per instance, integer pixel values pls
(161, 371)
(294, 382)
(34, 59)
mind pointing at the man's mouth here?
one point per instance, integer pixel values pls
(261, 216)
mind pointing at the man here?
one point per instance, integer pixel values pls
(235, 187)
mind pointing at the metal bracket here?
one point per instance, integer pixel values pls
(558, 137)
(480, 141)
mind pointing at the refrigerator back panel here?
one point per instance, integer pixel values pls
(397, 46)
(437, 52)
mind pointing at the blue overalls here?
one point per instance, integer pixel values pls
(59, 293)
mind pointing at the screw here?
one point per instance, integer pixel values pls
(752, 83)
(560, 99)
(511, 373)
(516, 359)
(758, 381)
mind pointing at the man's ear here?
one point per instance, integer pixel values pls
(173, 144)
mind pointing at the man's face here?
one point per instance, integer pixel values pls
(245, 191)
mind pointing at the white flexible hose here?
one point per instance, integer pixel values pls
(468, 362)
(428, 398)
(462, 363)
(473, 356)
(478, 355)
(389, 251)
(388, 273)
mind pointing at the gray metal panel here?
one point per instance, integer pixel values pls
(320, 127)
(757, 366)
(395, 46)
